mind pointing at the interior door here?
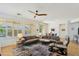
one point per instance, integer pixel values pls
(62, 30)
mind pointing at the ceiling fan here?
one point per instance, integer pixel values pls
(36, 13)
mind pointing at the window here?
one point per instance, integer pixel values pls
(2, 31)
(40, 28)
(27, 32)
(9, 32)
(15, 32)
(19, 31)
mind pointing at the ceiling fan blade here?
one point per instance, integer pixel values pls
(42, 14)
(31, 11)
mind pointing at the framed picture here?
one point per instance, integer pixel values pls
(53, 29)
(63, 29)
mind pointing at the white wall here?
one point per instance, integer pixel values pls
(55, 25)
(73, 29)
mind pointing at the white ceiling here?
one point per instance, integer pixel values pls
(54, 10)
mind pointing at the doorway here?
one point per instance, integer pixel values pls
(62, 30)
